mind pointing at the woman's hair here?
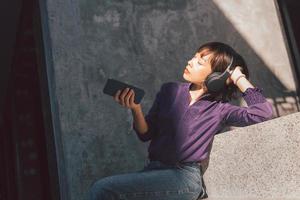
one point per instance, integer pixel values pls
(221, 57)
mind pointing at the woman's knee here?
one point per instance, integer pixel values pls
(101, 190)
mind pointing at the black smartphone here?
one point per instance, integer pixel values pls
(112, 86)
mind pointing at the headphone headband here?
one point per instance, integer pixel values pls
(231, 61)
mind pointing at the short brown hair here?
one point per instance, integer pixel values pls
(220, 60)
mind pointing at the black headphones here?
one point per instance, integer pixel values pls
(216, 81)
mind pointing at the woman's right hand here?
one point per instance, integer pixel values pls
(125, 98)
(236, 73)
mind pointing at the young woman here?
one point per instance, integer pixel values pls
(181, 125)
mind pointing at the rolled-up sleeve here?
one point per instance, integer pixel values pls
(151, 119)
(258, 109)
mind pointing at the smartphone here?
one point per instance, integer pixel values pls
(112, 86)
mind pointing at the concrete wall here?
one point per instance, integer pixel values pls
(145, 43)
(258, 162)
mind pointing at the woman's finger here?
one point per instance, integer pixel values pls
(127, 98)
(116, 97)
(228, 81)
(122, 96)
(239, 68)
(132, 98)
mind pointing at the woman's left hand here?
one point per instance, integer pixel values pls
(234, 74)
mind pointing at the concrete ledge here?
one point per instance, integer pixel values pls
(260, 161)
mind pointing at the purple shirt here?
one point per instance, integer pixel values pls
(183, 133)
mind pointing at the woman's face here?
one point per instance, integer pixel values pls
(198, 68)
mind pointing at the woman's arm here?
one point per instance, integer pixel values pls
(146, 127)
(139, 122)
(241, 82)
(258, 110)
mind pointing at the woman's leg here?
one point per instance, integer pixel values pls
(155, 182)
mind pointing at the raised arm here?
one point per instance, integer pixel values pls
(258, 110)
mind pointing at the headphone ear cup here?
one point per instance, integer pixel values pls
(214, 83)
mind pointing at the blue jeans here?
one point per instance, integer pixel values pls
(157, 181)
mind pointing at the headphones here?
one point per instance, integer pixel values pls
(216, 81)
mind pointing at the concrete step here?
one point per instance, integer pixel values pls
(260, 161)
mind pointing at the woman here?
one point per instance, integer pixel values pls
(181, 125)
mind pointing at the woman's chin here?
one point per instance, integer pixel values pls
(185, 77)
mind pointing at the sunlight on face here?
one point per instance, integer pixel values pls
(198, 68)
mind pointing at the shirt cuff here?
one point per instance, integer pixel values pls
(253, 96)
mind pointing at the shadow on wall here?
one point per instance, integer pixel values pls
(285, 101)
(149, 35)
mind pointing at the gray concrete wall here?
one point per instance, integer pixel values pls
(145, 43)
(258, 162)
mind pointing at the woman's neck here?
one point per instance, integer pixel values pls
(196, 92)
(195, 87)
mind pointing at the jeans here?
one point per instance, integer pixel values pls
(157, 181)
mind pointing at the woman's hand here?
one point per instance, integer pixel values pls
(126, 98)
(234, 74)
